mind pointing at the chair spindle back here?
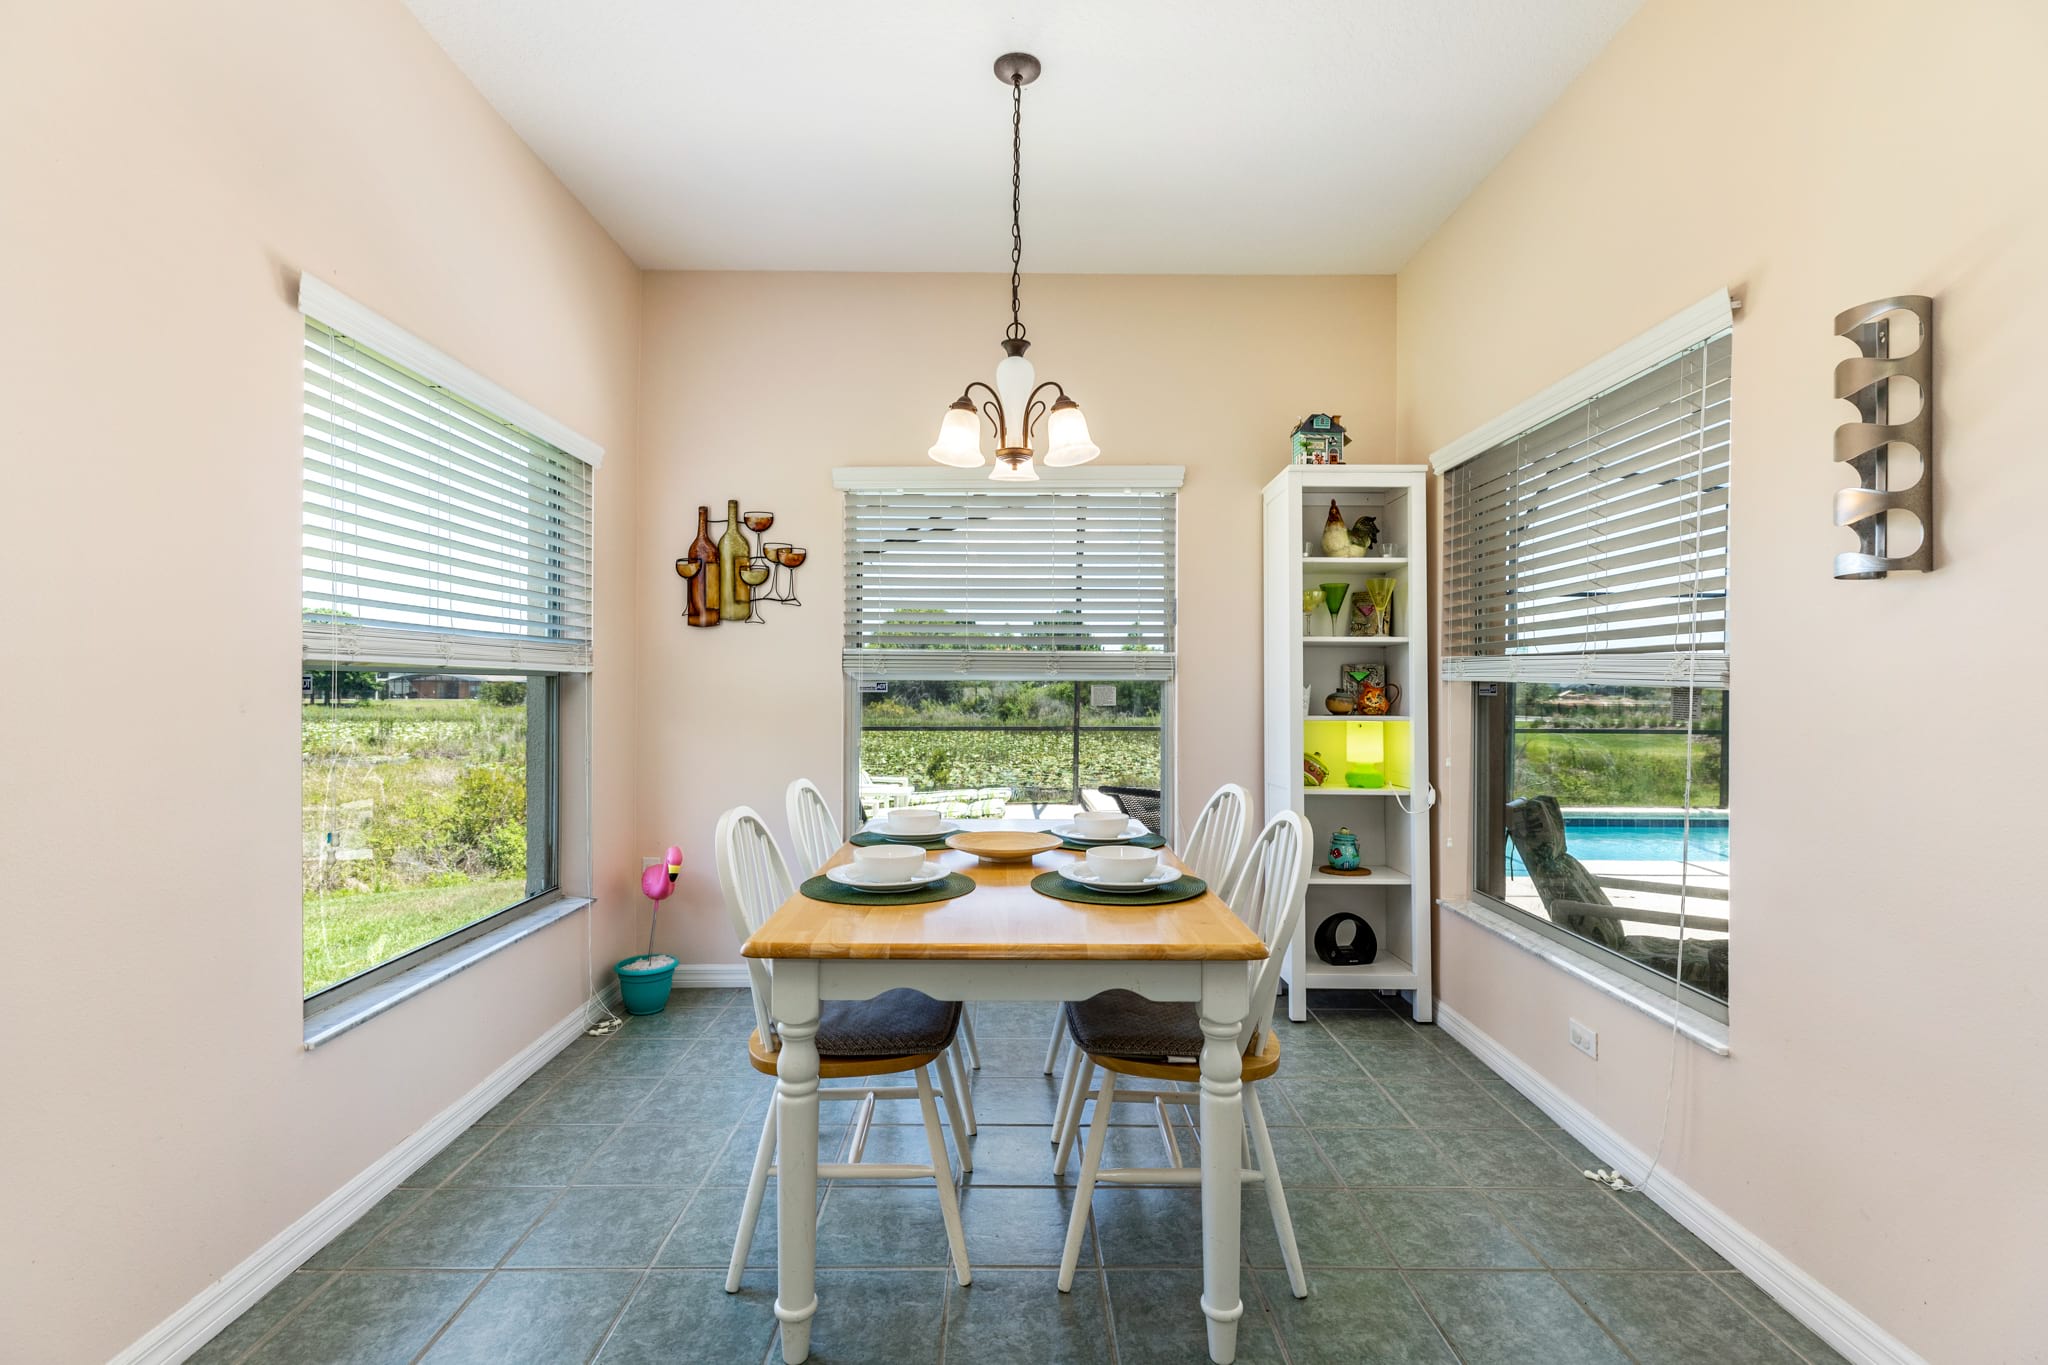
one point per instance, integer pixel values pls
(811, 826)
(1271, 891)
(755, 880)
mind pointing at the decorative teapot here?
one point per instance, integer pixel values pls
(1374, 700)
(1344, 851)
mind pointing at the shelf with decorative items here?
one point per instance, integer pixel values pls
(727, 580)
(1346, 715)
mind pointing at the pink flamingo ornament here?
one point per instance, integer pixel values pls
(658, 883)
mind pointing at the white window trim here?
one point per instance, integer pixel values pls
(1703, 1029)
(1709, 317)
(325, 304)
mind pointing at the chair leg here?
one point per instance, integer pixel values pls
(967, 1027)
(942, 1176)
(1059, 1035)
(949, 1090)
(1091, 1162)
(1276, 1197)
(750, 1212)
(1083, 1069)
(1065, 1097)
(966, 1090)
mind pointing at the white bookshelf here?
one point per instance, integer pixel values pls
(1391, 822)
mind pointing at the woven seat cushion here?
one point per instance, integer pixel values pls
(893, 1024)
(1126, 1024)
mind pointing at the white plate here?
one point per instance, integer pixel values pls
(924, 876)
(945, 827)
(1133, 830)
(1080, 874)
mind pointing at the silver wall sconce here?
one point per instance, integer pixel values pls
(1866, 380)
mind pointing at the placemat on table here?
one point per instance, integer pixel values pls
(823, 888)
(869, 838)
(1075, 841)
(1181, 888)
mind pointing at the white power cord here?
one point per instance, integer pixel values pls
(1614, 1180)
(594, 1001)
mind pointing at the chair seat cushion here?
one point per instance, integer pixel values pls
(1126, 1024)
(893, 1024)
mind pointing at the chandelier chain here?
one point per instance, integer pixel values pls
(1016, 329)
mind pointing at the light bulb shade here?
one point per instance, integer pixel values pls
(1015, 378)
(1023, 471)
(959, 442)
(1066, 436)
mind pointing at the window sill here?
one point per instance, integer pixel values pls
(1708, 1032)
(325, 1025)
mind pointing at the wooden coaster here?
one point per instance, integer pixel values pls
(1345, 871)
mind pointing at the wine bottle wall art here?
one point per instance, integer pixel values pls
(728, 578)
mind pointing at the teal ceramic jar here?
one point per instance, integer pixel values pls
(1344, 851)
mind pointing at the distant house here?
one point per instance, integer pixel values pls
(435, 686)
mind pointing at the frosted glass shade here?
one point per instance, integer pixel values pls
(1066, 436)
(1014, 380)
(959, 442)
(1022, 472)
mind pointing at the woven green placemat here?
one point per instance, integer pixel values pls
(825, 889)
(1075, 841)
(1183, 888)
(869, 838)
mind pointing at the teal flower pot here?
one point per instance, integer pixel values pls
(644, 990)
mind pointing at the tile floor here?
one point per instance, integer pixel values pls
(590, 1214)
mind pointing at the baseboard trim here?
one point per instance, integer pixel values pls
(701, 974)
(227, 1298)
(1833, 1318)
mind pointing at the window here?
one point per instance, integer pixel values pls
(1587, 601)
(445, 597)
(1011, 653)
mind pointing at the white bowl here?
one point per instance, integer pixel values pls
(887, 862)
(911, 820)
(1122, 864)
(1100, 824)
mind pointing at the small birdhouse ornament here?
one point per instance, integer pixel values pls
(1319, 439)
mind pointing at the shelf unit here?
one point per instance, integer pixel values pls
(1300, 670)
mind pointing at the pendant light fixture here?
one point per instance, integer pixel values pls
(1015, 403)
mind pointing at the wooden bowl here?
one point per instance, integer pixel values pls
(1003, 845)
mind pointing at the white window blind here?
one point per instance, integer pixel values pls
(951, 581)
(1594, 546)
(434, 532)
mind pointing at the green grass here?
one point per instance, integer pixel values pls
(1616, 770)
(349, 934)
(1040, 762)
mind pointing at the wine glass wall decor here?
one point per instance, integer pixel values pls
(726, 578)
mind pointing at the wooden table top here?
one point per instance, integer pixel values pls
(1003, 918)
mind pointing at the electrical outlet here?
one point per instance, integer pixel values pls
(1585, 1040)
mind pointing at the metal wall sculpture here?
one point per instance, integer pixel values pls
(1867, 380)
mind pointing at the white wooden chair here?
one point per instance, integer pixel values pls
(817, 838)
(1212, 853)
(900, 1030)
(1122, 1035)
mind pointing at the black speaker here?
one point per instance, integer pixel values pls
(1359, 948)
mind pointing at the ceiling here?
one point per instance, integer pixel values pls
(1166, 136)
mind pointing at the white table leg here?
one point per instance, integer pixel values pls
(1225, 1000)
(796, 1122)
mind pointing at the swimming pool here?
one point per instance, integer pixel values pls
(1618, 839)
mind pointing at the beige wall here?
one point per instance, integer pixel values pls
(1880, 1120)
(758, 385)
(169, 171)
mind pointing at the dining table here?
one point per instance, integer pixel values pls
(1004, 941)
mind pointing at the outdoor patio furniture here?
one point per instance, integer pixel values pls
(1142, 802)
(1575, 899)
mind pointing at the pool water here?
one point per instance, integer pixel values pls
(1645, 843)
